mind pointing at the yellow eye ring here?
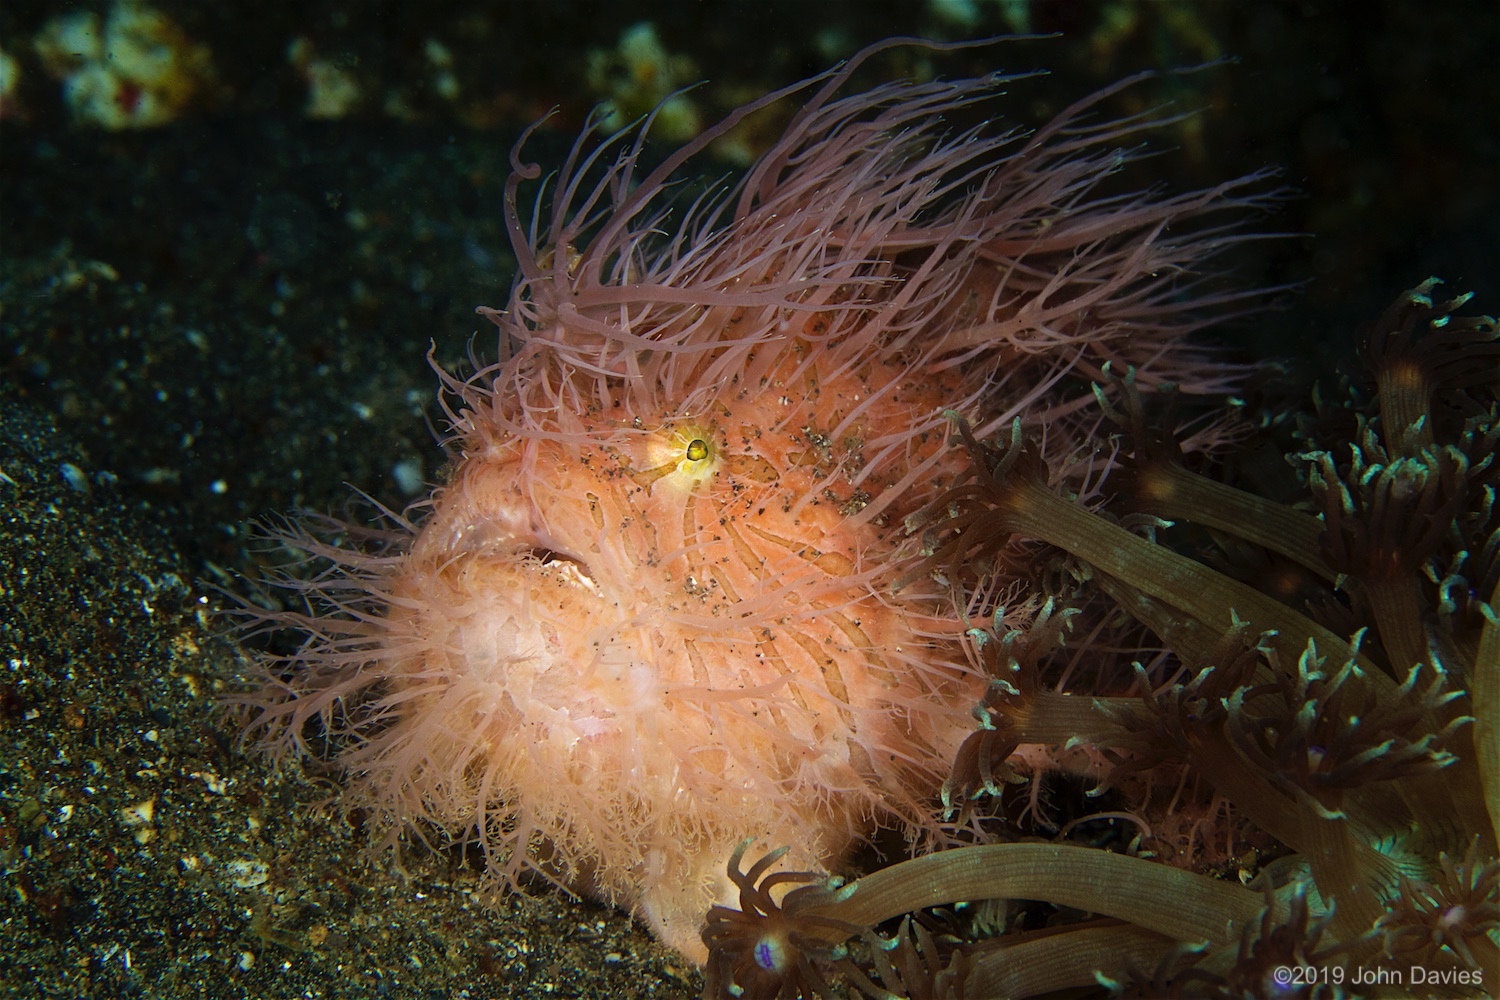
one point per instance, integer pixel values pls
(686, 453)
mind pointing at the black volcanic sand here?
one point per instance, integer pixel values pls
(231, 323)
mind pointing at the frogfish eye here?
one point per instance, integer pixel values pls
(697, 450)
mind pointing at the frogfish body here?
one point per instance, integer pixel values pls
(654, 610)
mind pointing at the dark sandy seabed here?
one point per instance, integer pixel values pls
(227, 318)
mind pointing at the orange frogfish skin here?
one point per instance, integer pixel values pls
(654, 612)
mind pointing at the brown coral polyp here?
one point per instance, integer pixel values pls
(1369, 763)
